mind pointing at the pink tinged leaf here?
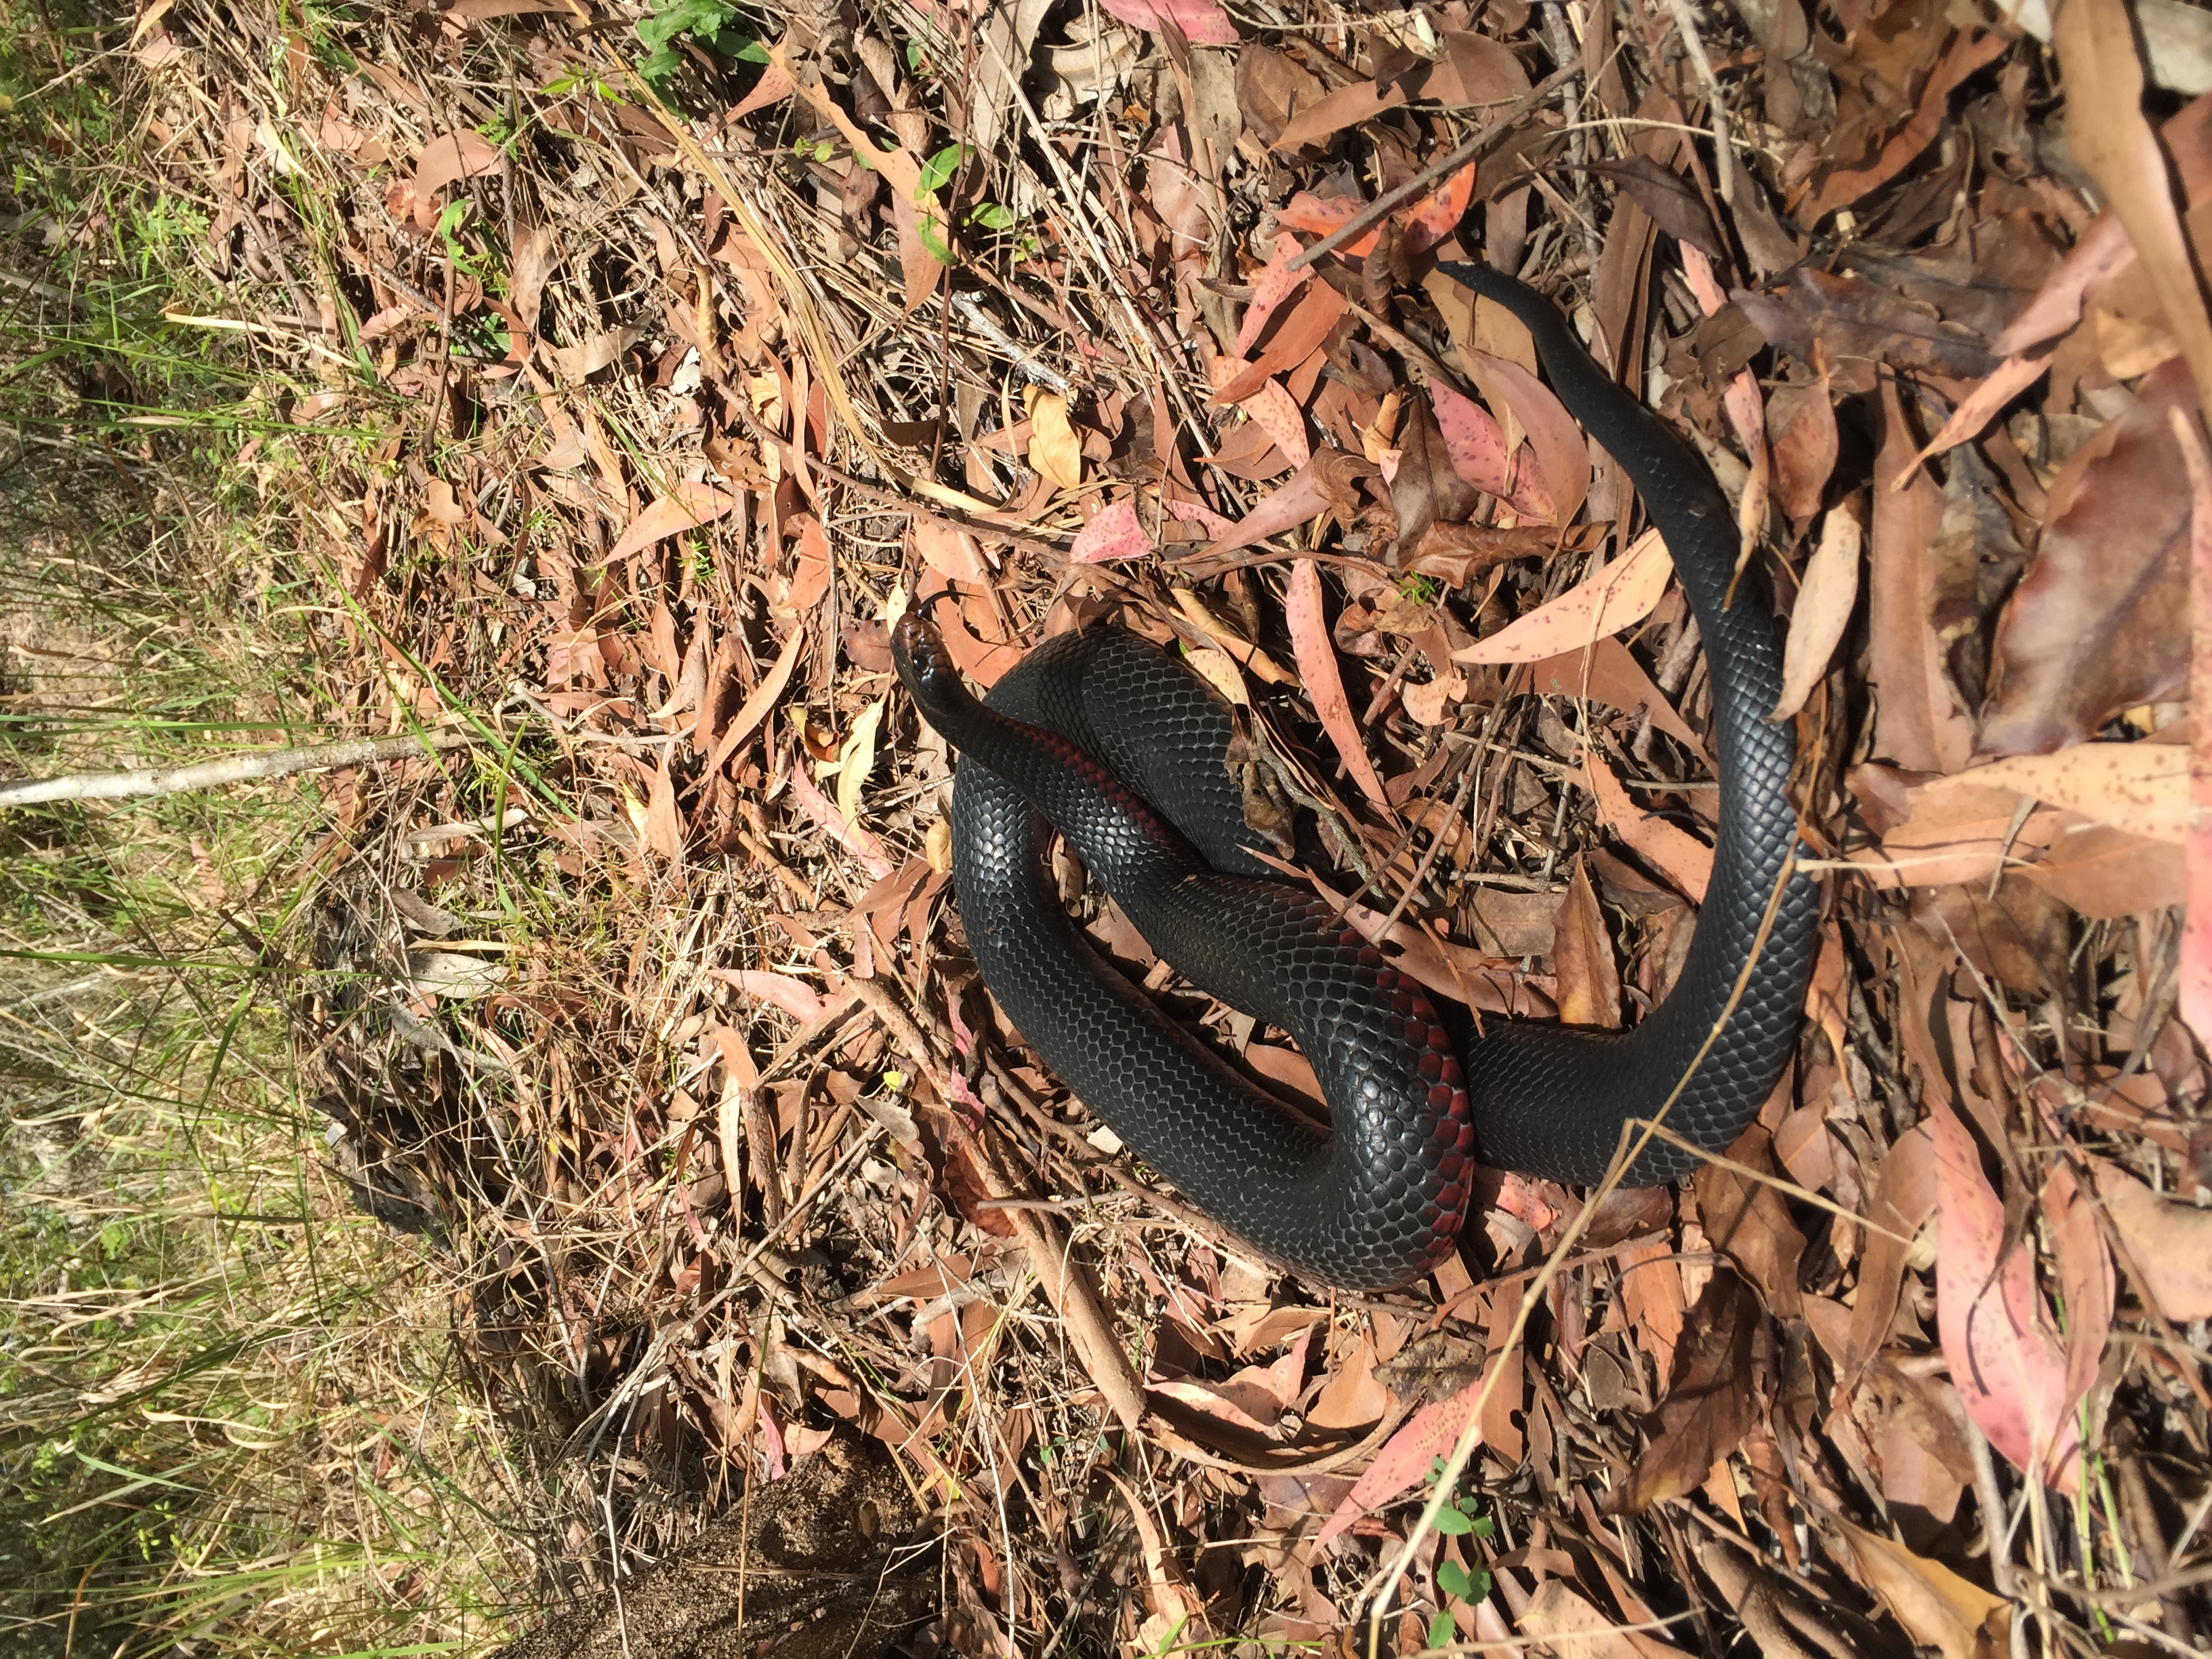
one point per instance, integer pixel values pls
(1473, 439)
(1269, 289)
(1324, 482)
(2009, 1370)
(691, 506)
(1317, 660)
(1316, 217)
(2086, 1281)
(1622, 594)
(1476, 444)
(1203, 22)
(1273, 411)
(2196, 1003)
(1112, 533)
(1562, 455)
(1406, 1462)
(1199, 513)
(1825, 600)
(864, 847)
(794, 997)
(1302, 334)
(1437, 215)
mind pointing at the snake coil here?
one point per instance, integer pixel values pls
(1123, 750)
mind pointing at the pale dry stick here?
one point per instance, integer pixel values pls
(1384, 205)
(1685, 25)
(234, 768)
(1630, 1146)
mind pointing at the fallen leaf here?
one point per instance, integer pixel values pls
(1608, 670)
(1801, 425)
(1710, 1404)
(1405, 1459)
(689, 507)
(1826, 599)
(856, 758)
(1317, 660)
(1671, 200)
(1938, 1608)
(2099, 621)
(759, 701)
(1562, 455)
(1425, 490)
(794, 997)
(1582, 959)
(2009, 1369)
(1619, 596)
(1749, 1220)
(2169, 1245)
(1055, 450)
(1278, 280)
(1920, 724)
(2141, 787)
(448, 157)
(1476, 444)
(1324, 485)
(1112, 533)
(1674, 853)
(1201, 22)
(2103, 77)
(2196, 956)
(1970, 50)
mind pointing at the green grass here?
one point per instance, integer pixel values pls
(229, 1410)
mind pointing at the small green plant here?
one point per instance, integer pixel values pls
(710, 22)
(1458, 1519)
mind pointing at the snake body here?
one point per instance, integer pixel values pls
(1124, 750)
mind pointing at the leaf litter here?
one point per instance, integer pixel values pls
(676, 393)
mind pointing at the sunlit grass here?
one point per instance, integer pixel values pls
(229, 1410)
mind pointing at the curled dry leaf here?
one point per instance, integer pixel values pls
(1055, 450)
(1710, 1404)
(1827, 598)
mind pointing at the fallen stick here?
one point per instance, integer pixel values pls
(236, 769)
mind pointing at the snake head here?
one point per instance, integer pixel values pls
(924, 666)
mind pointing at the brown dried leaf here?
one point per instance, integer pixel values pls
(2100, 622)
(1938, 1608)
(1710, 1404)
(1749, 1220)
(1827, 598)
(1425, 490)
(1582, 957)
(1920, 724)
(1671, 200)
